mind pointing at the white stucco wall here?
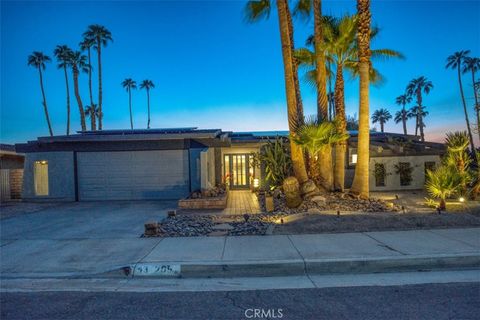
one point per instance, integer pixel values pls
(207, 168)
(392, 179)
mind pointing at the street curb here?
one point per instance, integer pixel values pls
(224, 269)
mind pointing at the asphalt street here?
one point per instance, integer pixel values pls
(430, 301)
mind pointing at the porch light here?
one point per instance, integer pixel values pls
(256, 183)
(354, 158)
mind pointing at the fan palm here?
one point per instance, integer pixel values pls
(147, 85)
(381, 116)
(360, 184)
(415, 88)
(455, 62)
(415, 112)
(38, 60)
(256, 10)
(92, 112)
(101, 36)
(78, 62)
(129, 84)
(317, 137)
(403, 115)
(62, 53)
(442, 183)
(473, 65)
(87, 45)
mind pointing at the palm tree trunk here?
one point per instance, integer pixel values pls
(100, 111)
(93, 122)
(420, 114)
(79, 101)
(45, 108)
(326, 168)
(130, 107)
(341, 147)
(472, 146)
(361, 179)
(404, 120)
(476, 102)
(68, 100)
(148, 106)
(382, 126)
(298, 160)
(416, 125)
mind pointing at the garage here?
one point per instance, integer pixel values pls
(133, 175)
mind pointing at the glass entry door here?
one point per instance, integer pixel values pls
(236, 170)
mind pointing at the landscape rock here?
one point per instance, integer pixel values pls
(291, 188)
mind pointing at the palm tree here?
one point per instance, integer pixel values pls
(317, 137)
(87, 45)
(416, 87)
(403, 115)
(147, 85)
(415, 112)
(442, 183)
(101, 35)
(129, 84)
(91, 111)
(360, 184)
(38, 60)
(473, 65)
(62, 54)
(455, 62)
(381, 116)
(78, 62)
(259, 9)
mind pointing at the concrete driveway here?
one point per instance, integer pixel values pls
(83, 220)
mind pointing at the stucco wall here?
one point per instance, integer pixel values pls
(61, 180)
(392, 179)
(207, 168)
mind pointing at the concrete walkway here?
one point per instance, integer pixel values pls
(243, 256)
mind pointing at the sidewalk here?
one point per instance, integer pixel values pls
(278, 255)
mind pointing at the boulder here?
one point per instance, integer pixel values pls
(291, 188)
(321, 200)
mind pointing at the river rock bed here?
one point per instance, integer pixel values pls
(207, 225)
(334, 201)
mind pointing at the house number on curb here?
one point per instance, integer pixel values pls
(157, 270)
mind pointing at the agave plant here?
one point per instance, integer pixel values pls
(443, 183)
(278, 164)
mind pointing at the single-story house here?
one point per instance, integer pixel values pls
(11, 173)
(171, 163)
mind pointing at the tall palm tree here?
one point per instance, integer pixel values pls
(473, 65)
(415, 88)
(62, 53)
(129, 84)
(147, 85)
(91, 111)
(415, 112)
(403, 115)
(102, 36)
(455, 61)
(360, 184)
(38, 60)
(87, 45)
(259, 9)
(78, 62)
(381, 116)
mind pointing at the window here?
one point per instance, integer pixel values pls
(353, 157)
(40, 172)
(380, 174)
(429, 166)
(405, 171)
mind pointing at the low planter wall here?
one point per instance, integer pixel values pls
(204, 203)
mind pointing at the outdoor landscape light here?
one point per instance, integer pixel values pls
(354, 158)
(256, 183)
(461, 199)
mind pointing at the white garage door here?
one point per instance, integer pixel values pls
(133, 175)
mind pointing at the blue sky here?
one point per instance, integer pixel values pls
(211, 69)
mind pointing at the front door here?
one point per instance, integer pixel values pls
(236, 170)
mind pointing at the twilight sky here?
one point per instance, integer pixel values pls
(212, 70)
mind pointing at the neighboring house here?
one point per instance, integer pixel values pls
(158, 163)
(11, 173)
